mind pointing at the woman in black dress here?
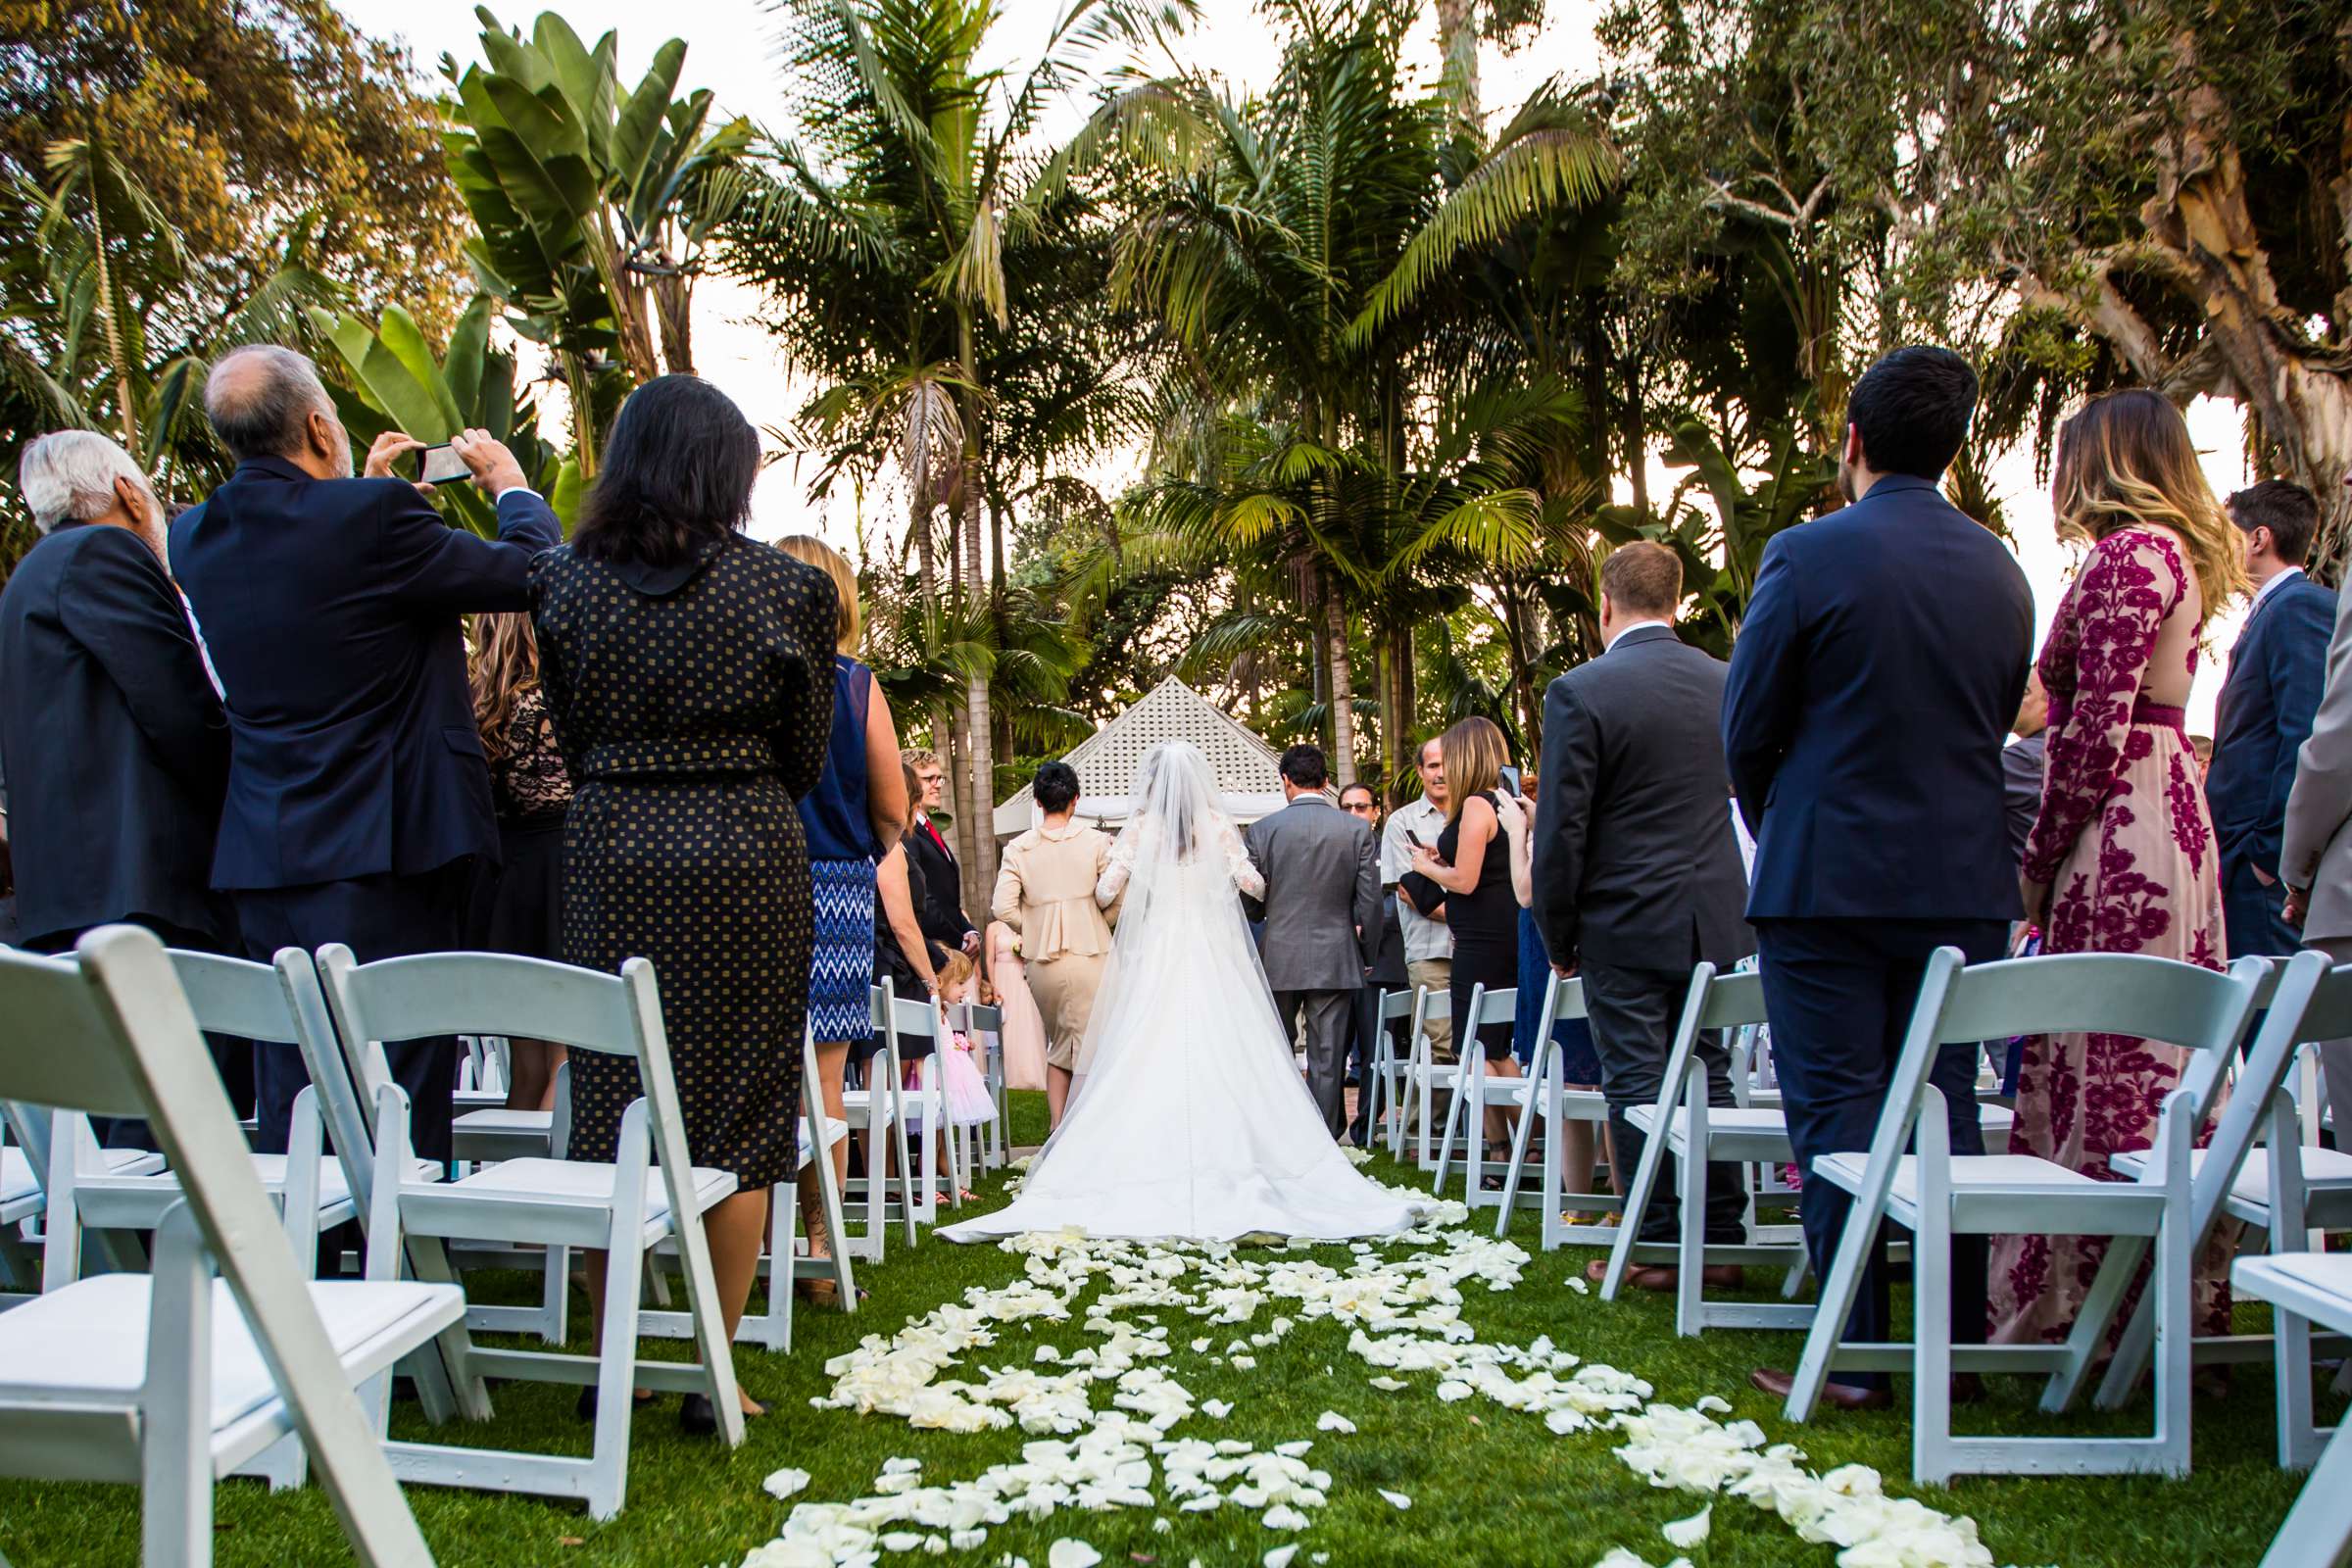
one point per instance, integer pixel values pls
(690, 674)
(1472, 865)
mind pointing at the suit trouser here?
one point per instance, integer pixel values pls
(1327, 1018)
(1362, 1045)
(384, 916)
(1632, 1014)
(2336, 1055)
(1840, 995)
(2251, 916)
(233, 1054)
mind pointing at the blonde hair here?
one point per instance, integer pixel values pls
(954, 970)
(2128, 459)
(504, 665)
(810, 549)
(1474, 756)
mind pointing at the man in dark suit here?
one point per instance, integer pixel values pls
(112, 738)
(1384, 970)
(358, 796)
(1880, 659)
(1322, 899)
(2277, 672)
(941, 913)
(1636, 868)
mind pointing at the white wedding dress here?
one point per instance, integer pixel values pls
(1192, 1121)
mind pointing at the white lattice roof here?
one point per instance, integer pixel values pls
(1249, 772)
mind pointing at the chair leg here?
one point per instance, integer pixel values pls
(1691, 1188)
(175, 1457)
(1932, 1454)
(1454, 1109)
(2319, 1528)
(1520, 1135)
(2085, 1340)
(428, 1260)
(1637, 1204)
(616, 1375)
(2173, 1284)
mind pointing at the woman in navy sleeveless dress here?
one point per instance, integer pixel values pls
(858, 807)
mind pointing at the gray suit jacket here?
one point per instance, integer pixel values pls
(2316, 850)
(1636, 864)
(1322, 875)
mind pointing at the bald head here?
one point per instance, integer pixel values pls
(268, 401)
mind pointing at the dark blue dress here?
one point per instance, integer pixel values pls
(1582, 1064)
(841, 869)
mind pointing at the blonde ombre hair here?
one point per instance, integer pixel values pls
(503, 666)
(810, 549)
(2128, 459)
(1474, 756)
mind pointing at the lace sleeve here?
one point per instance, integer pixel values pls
(1120, 866)
(2092, 665)
(1245, 875)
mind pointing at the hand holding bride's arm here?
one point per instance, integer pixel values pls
(1246, 875)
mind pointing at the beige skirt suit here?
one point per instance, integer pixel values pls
(1046, 892)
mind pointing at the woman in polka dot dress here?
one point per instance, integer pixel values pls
(690, 674)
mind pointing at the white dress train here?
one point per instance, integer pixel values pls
(1193, 1122)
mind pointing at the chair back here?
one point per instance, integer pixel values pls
(2307, 1002)
(499, 994)
(2200, 1009)
(895, 1016)
(1500, 1006)
(114, 1035)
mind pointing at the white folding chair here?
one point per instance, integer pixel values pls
(984, 1025)
(652, 1190)
(2279, 1196)
(782, 1264)
(1476, 1092)
(1544, 1095)
(1429, 1076)
(2307, 1289)
(1387, 1075)
(26, 1140)
(1939, 1195)
(171, 1380)
(924, 1107)
(1682, 1120)
(878, 1112)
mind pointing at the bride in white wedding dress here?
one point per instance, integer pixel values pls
(1192, 1121)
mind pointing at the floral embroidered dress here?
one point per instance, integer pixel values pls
(2125, 845)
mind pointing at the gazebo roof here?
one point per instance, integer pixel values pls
(1249, 772)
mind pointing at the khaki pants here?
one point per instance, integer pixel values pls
(2336, 1055)
(1436, 975)
(1065, 988)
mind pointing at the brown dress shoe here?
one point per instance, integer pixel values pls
(1661, 1276)
(1844, 1395)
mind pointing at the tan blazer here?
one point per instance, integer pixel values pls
(1045, 891)
(2316, 852)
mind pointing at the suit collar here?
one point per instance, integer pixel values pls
(269, 467)
(1891, 483)
(1304, 797)
(1648, 632)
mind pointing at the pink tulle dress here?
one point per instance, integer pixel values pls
(1024, 1028)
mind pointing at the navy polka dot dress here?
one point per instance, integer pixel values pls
(693, 705)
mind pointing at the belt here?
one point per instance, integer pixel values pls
(716, 754)
(2144, 711)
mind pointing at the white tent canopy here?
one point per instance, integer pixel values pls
(1249, 772)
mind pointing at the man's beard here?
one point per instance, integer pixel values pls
(1845, 482)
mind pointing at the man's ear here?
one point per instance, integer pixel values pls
(1854, 445)
(322, 434)
(132, 497)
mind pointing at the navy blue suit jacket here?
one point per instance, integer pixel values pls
(331, 609)
(2275, 674)
(115, 746)
(1876, 676)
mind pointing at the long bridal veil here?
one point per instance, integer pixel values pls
(1193, 1120)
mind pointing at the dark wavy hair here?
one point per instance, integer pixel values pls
(677, 474)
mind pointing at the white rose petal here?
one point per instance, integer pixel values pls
(1687, 1533)
(1280, 1556)
(1396, 1500)
(1069, 1553)
(1333, 1421)
(902, 1540)
(1219, 1408)
(784, 1483)
(1282, 1516)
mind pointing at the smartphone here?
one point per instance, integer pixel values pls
(441, 463)
(1510, 780)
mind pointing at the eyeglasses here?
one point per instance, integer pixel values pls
(1365, 806)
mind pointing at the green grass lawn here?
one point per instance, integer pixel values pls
(1489, 1485)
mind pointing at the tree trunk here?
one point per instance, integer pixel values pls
(1342, 694)
(1457, 47)
(1401, 755)
(978, 839)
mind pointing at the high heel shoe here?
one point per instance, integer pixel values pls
(699, 1418)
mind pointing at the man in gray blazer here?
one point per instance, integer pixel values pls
(1322, 899)
(1636, 870)
(2315, 853)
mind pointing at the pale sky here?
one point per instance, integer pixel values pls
(731, 49)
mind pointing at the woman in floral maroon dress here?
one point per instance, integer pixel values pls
(2122, 857)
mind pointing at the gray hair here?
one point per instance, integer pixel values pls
(69, 477)
(261, 398)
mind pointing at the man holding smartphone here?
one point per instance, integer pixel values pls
(1428, 943)
(358, 796)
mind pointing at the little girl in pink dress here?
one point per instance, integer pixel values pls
(964, 1086)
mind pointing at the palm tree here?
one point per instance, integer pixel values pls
(891, 226)
(1278, 251)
